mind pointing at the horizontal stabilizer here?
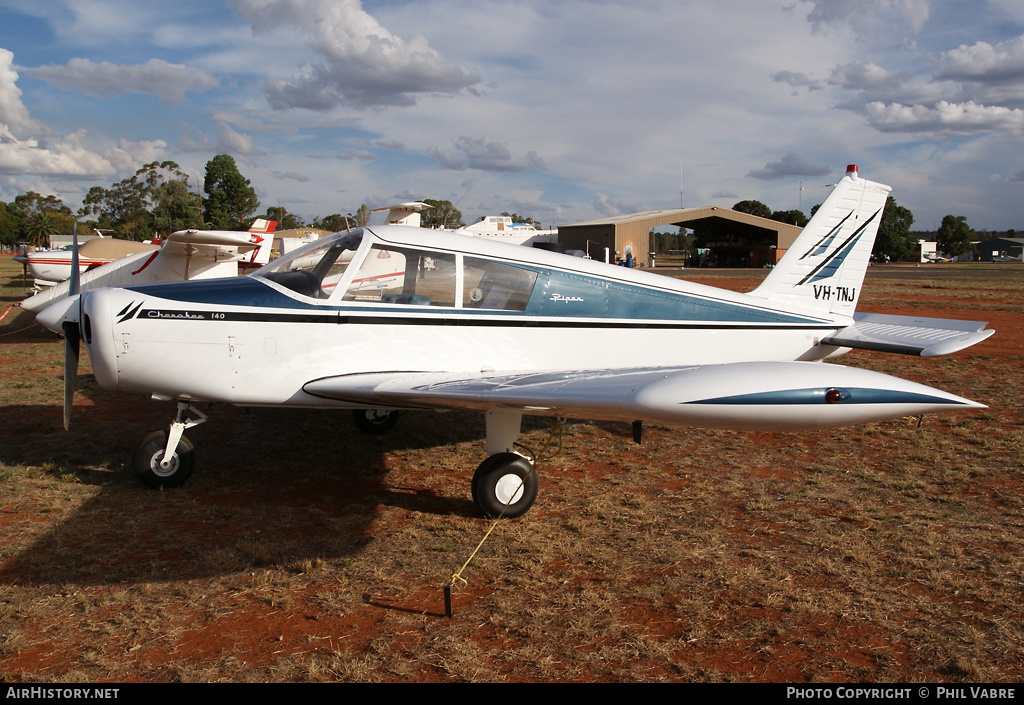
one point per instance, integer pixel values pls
(909, 335)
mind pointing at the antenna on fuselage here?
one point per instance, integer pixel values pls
(456, 204)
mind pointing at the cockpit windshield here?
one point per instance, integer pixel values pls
(401, 275)
(316, 269)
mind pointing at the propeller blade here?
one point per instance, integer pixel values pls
(71, 347)
(76, 276)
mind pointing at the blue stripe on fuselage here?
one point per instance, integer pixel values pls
(230, 291)
(598, 298)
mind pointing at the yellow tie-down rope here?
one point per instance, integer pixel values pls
(555, 431)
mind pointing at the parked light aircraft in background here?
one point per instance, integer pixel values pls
(183, 255)
(50, 267)
(467, 323)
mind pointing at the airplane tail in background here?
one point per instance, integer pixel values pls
(822, 272)
(263, 229)
(261, 226)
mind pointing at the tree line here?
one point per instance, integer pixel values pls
(895, 241)
(158, 199)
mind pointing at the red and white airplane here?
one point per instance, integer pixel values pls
(50, 267)
(181, 256)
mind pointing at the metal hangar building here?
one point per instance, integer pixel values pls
(736, 239)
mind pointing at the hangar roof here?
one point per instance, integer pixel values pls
(724, 221)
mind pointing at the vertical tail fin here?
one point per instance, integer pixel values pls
(824, 269)
(263, 232)
(262, 226)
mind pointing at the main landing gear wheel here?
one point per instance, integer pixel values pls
(505, 485)
(374, 422)
(147, 462)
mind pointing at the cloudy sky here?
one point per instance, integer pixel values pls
(565, 110)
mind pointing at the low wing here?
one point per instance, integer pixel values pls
(766, 396)
(908, 335)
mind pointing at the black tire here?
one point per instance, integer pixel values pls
(147, 462)
(502, 477)
(374, 422)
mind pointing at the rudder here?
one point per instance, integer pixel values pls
(823, 271)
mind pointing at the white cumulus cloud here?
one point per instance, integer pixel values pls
(103, 79)
(358, 62)
(863, 15)
(861, 75)
(13, 113)
(985, 63)
(27, 146)
(945, 119)
(485, 155)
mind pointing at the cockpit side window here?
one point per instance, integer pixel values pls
(315, 271)
(494, 285)
(401, 275)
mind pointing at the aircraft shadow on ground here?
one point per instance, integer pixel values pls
(303, 484)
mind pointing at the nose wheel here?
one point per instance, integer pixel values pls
(166, 458)
(151, 468)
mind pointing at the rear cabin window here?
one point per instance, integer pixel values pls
(397, 275)
(493, 285)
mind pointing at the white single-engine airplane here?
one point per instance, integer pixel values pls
(183, 255)
(508, 330)
(50, 267)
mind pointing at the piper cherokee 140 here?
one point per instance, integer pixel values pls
(389, 318)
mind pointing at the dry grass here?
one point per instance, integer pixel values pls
(302, 551)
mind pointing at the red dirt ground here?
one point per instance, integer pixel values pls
(225, 619)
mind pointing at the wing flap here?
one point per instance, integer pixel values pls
(909, 335)
(763, 396)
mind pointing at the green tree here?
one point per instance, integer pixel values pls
(955, 237)
(794, 217)
(38, 229)
(894, 240)
(441, 214)
(155, 199)
(334, 223)
(284, 219)
(230, 199)
(42, 216)
(10, 223)
(665, 243)
(177, 207)
(516, 218)
(753, 208)
(363, 216)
